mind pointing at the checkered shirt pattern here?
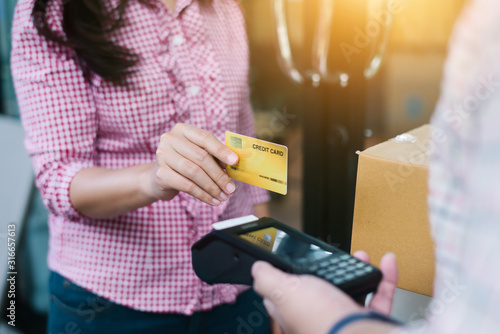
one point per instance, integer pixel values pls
(464, 181)
(193, 69)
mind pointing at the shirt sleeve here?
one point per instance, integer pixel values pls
(57, 111)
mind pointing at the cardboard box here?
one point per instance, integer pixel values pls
(390, 213)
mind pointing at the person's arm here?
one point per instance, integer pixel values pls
(99, 192)
(186, 161)
(52, 94)
(307, 304)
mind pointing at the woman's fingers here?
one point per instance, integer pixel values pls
(180, 183)
(201, 167)
(212, 145)
(187, 159)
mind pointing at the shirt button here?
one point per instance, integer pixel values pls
(193, 90)
(178, 40)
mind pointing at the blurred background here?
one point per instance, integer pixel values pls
(400, 97)
(323, 122)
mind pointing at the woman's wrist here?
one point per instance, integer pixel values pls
(149, 186)
(147, 182)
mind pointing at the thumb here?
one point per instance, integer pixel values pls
(383, 298)
(268, 281)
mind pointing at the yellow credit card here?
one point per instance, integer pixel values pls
(263, 238)
(262, 163)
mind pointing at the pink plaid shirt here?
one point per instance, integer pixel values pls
(194, 69)
(464, 183)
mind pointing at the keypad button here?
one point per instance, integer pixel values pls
(322, 271)
(338, 281)
(299, 268)
(313, 266)
(330, 275)
(338, 269)
(343, 264)
(349, 276)
(324, 263)
(359, 273)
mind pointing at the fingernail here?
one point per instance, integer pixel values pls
(391, 254)
(230, 187)
(223, 196)
(215, 202)
(232, 158)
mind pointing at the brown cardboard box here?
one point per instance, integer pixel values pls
(390, 213)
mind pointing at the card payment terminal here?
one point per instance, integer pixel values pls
(227, 255)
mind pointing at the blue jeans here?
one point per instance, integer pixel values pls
(74, 310)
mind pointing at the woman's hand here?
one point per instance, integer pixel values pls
(191, 160)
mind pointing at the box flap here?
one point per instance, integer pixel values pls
(411, 147)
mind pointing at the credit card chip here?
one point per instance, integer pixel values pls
(235, 142)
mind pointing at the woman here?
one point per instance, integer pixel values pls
(125, 104)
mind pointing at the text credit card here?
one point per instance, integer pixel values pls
(262, 163)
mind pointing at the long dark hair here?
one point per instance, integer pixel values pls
(87, 27)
